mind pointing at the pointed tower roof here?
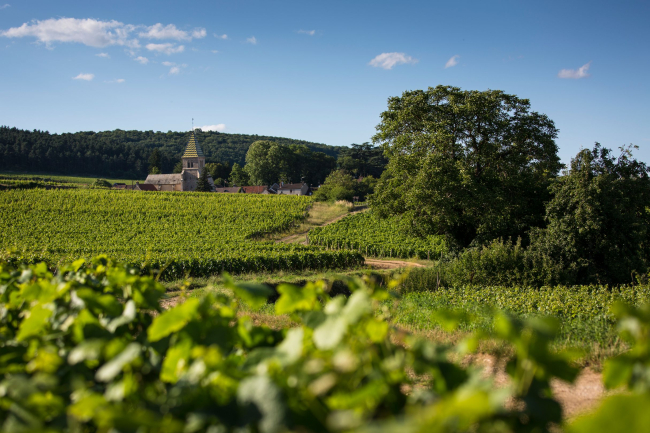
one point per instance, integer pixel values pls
(193, 150)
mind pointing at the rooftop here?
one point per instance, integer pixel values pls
(193, 150)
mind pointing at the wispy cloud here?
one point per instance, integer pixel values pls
(308, 32)
(5, 6)
(224, 36)
(453, 61)
(104, 55)
(142, 60)
(167, 48)
(99, 34)
(174, 68)
(388, 60)
(158, 31)
(218, 128)
(89, 32)
(119, 81)
(215, 51)
(85, 77)
(581, 72)
(252, 40)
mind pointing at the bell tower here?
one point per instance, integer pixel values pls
(193, 163)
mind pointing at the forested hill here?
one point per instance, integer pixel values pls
(120, 153)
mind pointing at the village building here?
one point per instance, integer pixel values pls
(293, 189)
(193, 163)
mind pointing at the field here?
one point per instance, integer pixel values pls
(191, 234)
(54, 178)
(375, 237)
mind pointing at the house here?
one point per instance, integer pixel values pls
(293, 189)
(193, 163)
(260, 189)
(144, 187)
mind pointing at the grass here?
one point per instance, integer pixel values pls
(595, 338)
(58, 178)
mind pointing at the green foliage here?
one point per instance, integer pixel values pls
(362, 160)
(625, 413)
(90, 348)
(470, 165)
(269, 162)
(219, 170)
(239, 176)
(126, 153)
(373, 236)
(598, 221)
(155, 162)
(203, 184)
(101, 183)
(184, 234)
(339, 185)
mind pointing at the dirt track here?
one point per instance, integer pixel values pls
(391, 264)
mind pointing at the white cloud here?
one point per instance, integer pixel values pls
(252, 40)
(119, 81)
(168, 63)
(85, 77)
(158, 31)
(224, 36)
(142, 60)
(174, 70)
(388, 60)
(5, 6)
(219, 128)
(453, 61)
(89, 32)
(199, 33)
(308, 32)
(104, 55)
(166, 48)
(215, 51)
(581, 72)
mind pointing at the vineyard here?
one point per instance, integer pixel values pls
(91, 349)
(375, 237)
(189, 234)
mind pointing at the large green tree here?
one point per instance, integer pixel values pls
(472, 165)
(267, 162)
(598, 221)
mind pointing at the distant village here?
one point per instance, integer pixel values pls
(187, 180)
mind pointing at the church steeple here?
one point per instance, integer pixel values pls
(193, 150)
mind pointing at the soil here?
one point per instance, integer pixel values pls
(391, 264)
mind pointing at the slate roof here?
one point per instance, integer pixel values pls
(193, 150)
(164, 179)
(291, 186)
(145, 187)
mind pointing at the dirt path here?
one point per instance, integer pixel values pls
(391, 264)
(577, 398)
(288, 239)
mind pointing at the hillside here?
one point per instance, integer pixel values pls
(121, 153)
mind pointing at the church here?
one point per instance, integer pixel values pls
(193, 163)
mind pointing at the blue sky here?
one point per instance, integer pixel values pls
(320, 71)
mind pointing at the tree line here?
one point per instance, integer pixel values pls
(125, 154)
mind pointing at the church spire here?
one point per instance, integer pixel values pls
(193, 150)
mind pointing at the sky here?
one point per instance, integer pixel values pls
(320, 71)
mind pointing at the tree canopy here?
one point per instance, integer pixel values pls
(124, 154)
(362, 160)
(268, 162)
(598, 220)
(472, 165)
